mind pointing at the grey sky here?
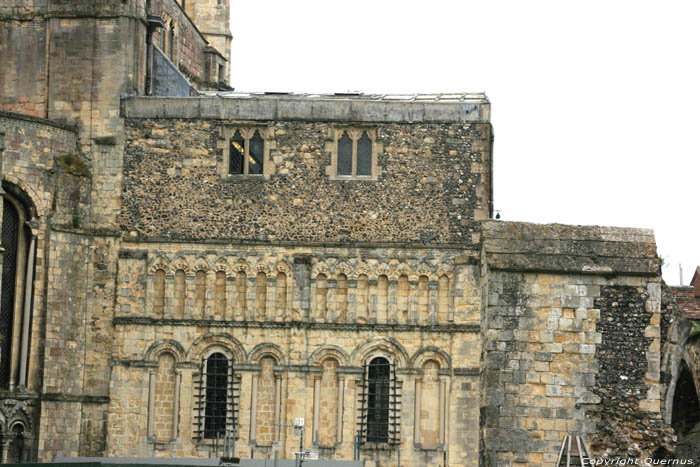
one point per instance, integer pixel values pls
(594, 104)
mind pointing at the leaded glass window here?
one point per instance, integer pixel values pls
(345, 155)
(364, 155)
(246, 154)
(255, 160)
(236, 154)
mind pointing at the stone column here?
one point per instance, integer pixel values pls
(209, 294)
(232, 291)
(251, 292)
(331, 306)
(189, 296)
(339, 423)
(301, 292)
(392, 313)
(413, 301)
(253, 409)
(416, 413)
(176, 404)
(169, 296)
(432, 302)
(317, 408)
(151, 403)
(351, 313)
(5, 447)
(372, 297)
(278, 401)
(443, 397)
(271, 300)
(28, 287)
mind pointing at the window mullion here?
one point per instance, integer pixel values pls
(246, 152)
(354, 155)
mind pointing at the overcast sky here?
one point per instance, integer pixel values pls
(594, 104)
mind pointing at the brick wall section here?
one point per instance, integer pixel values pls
(427, 191)
(688, 299)
(189, 50)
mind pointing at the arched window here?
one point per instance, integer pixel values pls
(17, 445)
(378, 400)
(345, 155)
(159, 293)
(261, 297)
(236, 154)
(16, 299)
(364, 155)
(200, 292)
(216, 403)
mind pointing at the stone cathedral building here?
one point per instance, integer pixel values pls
(181, 262)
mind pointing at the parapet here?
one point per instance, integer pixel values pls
(526, 247)
(350, 107)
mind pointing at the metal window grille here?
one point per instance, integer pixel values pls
(380, 404)
(217, 398)
(10, 237)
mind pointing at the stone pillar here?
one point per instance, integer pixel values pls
(271, 299)
(317, 408)
(169, 298)
(209, 295)
(232, 291)
(372, 297)
(416, 413)
(301, 295)
(151, 403)
(331, 306)
(176, 404)
(413, 302)
(351, 313)
(5, 446)
(339, 423)
(278, 406)
(28, 287)
(432, 302)
(392, 312)
(253, 409)
(443, 401)
(251, 291)
(189, 296)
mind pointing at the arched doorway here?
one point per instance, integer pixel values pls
(686, 406)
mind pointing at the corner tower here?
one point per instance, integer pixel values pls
(212, 17)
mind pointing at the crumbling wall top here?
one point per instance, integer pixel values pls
(570, 249)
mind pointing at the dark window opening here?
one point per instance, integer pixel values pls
(10, 241)
(16, 448)
(345, 155)
(686, 407)
(221, 73)
(172, 42)
(236, 154)
(378, 401)
(364, 155)
(216, 405)
(255, 161)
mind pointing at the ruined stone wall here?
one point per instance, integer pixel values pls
(428, 190)
(567, 353)
(280, 346)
